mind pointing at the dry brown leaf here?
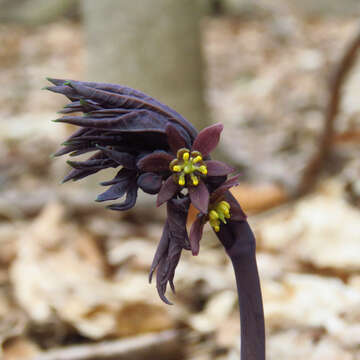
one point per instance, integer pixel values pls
(302, 300)
(61, 282)
(305, 344)
(322, 229)
(218, 308)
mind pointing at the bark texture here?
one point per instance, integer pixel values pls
(153, 46)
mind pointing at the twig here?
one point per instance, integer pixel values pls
(164, 345)
(337, 81)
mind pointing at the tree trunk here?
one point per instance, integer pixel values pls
(151, 45)
(36, 12)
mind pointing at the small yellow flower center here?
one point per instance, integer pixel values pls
(219, 213)
(188, 167)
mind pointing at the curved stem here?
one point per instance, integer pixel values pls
(239, 242)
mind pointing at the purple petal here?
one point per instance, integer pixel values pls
(173, 241)
(102, 113)
(199, 196)
(83, 151)
(64, 150)
(207, 139)
(174, 138)
(118, 96)
(177, 213)
(64, 90)
(77, 133)
(116, 191)
(81, 105)
(91, 164)
(120, 185)
(121, 176)
(196, 234)
(103, 97)
(122, 158)
(162, 276)
(88, 105)
(234, 181)
(174, 263)
(129, 202)
(218, 168)
(77, 174)
(161, 250)
(155, 162)
(150, 182)
(167, 191)
(133, 121)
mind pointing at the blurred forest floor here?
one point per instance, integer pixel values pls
(73, 273)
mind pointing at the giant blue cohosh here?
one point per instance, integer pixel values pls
(161, 153)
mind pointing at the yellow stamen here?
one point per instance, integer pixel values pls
(219, 214)
(186, 156)
(188, 167)
(194, 179)
(225, 203)
(203, 169)
(182, 180)
(213, 215)
(223, 206)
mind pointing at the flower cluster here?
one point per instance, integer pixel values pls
(188, 167)
(157, 151)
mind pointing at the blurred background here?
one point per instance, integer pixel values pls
(73, 275)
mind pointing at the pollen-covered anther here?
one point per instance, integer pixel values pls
(225, 208)
(194, 179)
(203, 169)
(186, 156)
(213, 215)
(182, 180)
(219, 213)
(188, 167)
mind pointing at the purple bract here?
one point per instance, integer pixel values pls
(160, 152)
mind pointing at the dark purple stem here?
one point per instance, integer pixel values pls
(239, 242)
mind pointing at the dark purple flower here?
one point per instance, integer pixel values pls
(121, 126)
(173, 240)
(160, 152)
(189, 168)
(221, 207)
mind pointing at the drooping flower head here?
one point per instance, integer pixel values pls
(160, 152)
(156, 149)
